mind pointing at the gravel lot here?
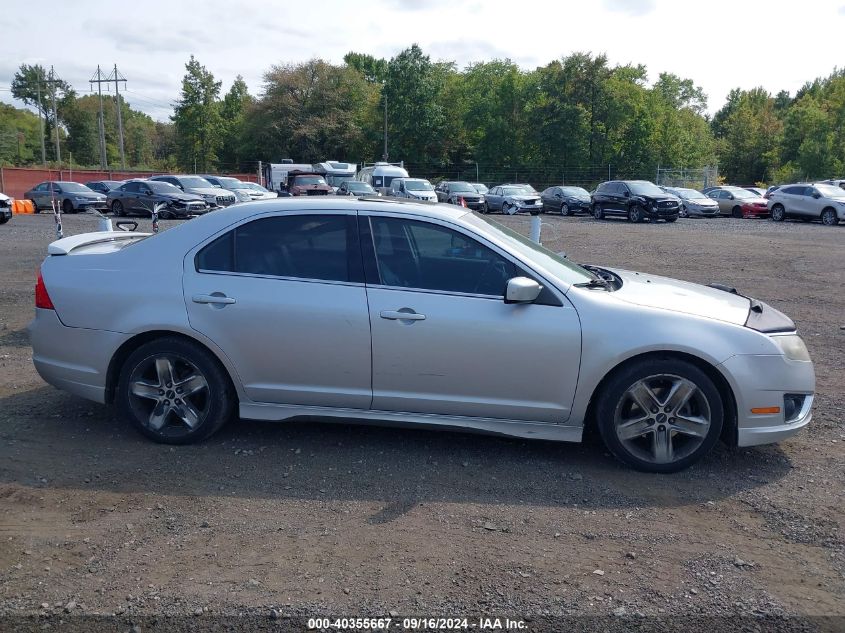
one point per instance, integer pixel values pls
(266, 520)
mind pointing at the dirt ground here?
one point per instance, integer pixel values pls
(266, 521)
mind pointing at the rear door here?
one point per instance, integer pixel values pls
(443, 339)
(494, 199)
(283, 297)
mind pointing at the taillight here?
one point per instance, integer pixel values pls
(42, 298)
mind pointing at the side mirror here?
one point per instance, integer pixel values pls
(149, 192)
(731, 197)
(627, 194)
(817, 195)
(522, 290)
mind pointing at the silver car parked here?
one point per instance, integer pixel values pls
(818, 201)
(368, 311)
(694, 203)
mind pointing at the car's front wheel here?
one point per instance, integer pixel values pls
(598, 212)
(635, 214)
(564, 210)
(67, 206)
(507, 209)
(829, 217)
(117, 208)
(736, 212)
(778, 213)
(174, 391)
(660, 414)
(683, 212)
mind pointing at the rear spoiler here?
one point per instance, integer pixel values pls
(65, 245)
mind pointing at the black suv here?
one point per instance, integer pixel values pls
(636, 199)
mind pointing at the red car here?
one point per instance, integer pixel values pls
(738, 202)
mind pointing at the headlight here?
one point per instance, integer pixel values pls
(792, 346)
(481, 198)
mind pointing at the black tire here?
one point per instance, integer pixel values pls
(636, 214)
(484, 210)
(598, 212)
(67, 207)
(117, 208)
(35, 207)
(614, 397)
(212, 405)
(564, 210)
(505, 207)
(4, 219)
(778, 213)
(828, 217)
(683, 212)
(736, 212)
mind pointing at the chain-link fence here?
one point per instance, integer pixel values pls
(688, 178)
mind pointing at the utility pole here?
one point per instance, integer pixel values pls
(41, 123)
(101, 121)
(52, 82)
(116, 77)
(385, 124)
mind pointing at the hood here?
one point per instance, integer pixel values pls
(653, 291)
(701, 202)
(422, 195)
(581, 198)
(183, 197)
(522, 197)
(93, 195)
(3, 196)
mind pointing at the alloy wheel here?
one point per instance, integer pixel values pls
(169, 395)
(662, 418)
(777, 213)
(564, 209)
(829, 217)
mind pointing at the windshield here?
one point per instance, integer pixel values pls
(74, 187)
(578, 192)
(309, 180)
(515, 191)
(480, 188)
(830, 191)
(742, 194)
(359, 186)
(690, 194)
(195, 182)
(230, 183)
(527, 187)
(565, 270)
(643, 188)
(336, 180)
(162, 187)
(418, 185)
(462, 186)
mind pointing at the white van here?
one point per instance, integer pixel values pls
(413, 189)
(380, 175)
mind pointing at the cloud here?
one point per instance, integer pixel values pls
(421, 5)
(629, 7)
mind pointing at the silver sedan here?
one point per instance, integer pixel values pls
(361, 311)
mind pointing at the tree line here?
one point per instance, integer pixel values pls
(576, 116)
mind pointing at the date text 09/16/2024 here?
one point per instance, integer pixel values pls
(419, 624)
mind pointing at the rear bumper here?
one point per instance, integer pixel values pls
(755, 212)
(72, 359)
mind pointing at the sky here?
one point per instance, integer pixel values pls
(719, 44)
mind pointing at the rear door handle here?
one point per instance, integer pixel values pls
(401, 315)
(215, 298)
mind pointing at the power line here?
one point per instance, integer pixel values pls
(116, 77)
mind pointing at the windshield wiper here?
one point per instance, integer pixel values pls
(598, 282)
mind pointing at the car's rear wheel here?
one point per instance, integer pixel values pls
(736, 212)
(598, 212)
(174, 391)
(829, 217)
(564, 210)
(117, 208)
(67, 206)
(660, 415)
(778, 213)
(635, 214)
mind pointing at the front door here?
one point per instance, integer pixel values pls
(283, 297)
(444, 341)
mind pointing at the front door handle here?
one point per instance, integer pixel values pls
(217, 298)
(405, 314)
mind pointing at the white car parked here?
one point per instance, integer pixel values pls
(817, 201)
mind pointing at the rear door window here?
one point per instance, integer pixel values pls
(315, 247)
